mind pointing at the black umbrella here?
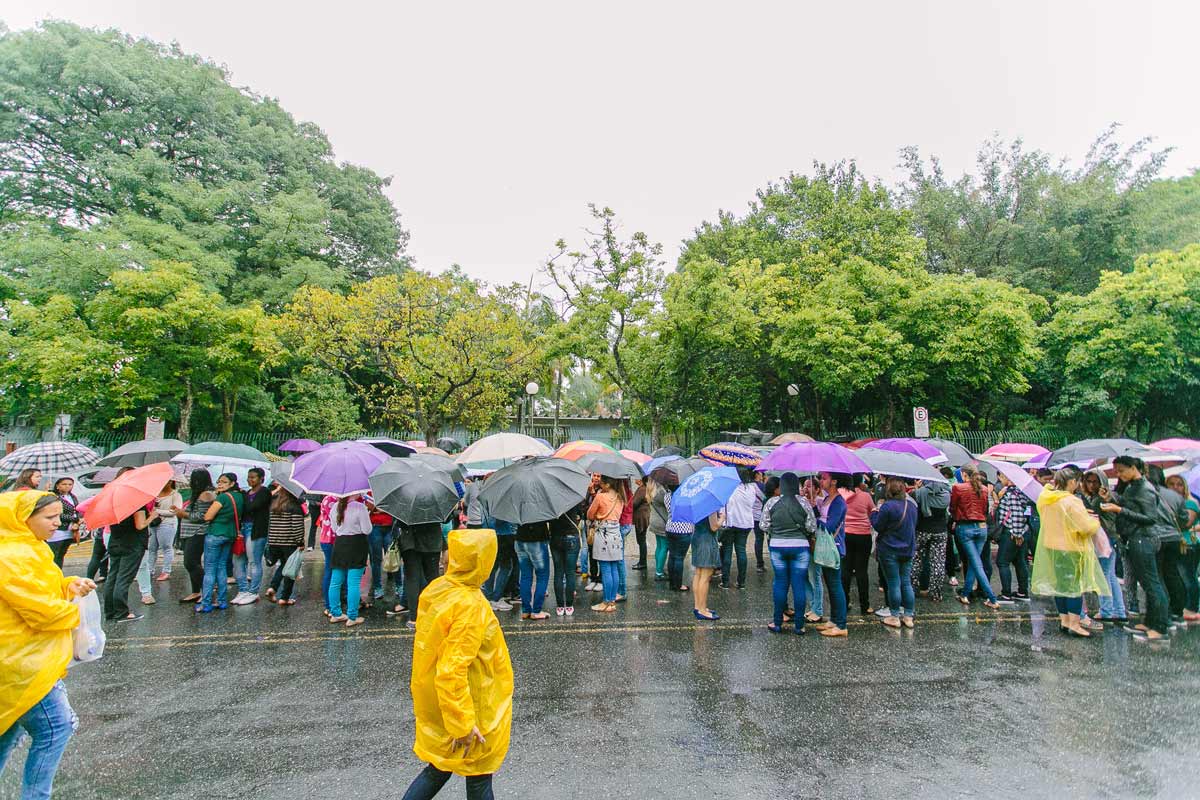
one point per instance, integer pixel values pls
(956, 454)
(610, 465)
(450, 445)
(281, 473)
(412, 491)
(143, 452)
(534, 489)
(674, 473)
(442, 463)
(669, 450)
(1091, 449)
(392, 447)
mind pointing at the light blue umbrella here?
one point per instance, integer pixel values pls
(703, 493)
(655, 463)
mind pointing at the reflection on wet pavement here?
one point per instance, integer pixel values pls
(269, 702)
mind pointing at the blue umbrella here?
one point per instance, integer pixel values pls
(655, 463)
(703, 493)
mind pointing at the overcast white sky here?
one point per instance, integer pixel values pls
(499, 122)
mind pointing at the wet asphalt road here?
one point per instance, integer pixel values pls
(264, 702)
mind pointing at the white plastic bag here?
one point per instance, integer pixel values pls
(87, 641)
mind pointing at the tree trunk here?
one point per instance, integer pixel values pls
(431, 435)
(185, 411)
(655, 431)
(1121, 421)
(228, 410)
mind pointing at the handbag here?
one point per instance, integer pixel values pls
(291, 567)
(391, 559)
(825, 553)
(239, 541)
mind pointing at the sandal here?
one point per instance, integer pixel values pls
(992, 604)
(291, 601)
(539, 615)
(963, 600)
(350, 623)
(270, 594)
(339, 618)
(399, 609)
(191, 598)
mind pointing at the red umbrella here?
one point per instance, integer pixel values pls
(635, 456)
(126, 494)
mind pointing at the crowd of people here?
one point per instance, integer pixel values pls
(1087, 543)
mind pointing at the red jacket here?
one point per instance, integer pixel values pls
(627, 511)
(966, 506)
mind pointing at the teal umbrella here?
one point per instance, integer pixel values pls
(223, 450)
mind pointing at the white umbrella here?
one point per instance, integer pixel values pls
(899, 465)
(500, 450)
(186, 464)
(1028, 484)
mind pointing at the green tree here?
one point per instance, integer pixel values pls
(1167, 214)
(1131, 342)
(430, 351)
(157, 151)
(1027, 220)
(316, 402)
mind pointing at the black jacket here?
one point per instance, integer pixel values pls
(258, 511)
(1139, 509)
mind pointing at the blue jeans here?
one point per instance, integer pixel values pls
(49, 724)
(622, 589)
(565, 550)
(1114, 606)
(352, 580)
(816, 593)
(790, 565)
(431, 780)
(377, 542)
(534, 558)
(255, 548)
(972, 538)
(898, 572)
(502, 569)
(837, 595)
(677, 552)
(1069, 605)
(609, 576)
(216, 558)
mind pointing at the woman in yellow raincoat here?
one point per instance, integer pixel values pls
(462, 679)
(36, 620)
(1065, 564)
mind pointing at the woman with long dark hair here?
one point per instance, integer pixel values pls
(789, 523)
(896, 522)
(605, 515)
(285, 536)
(969, 510)
(193, 528)
(224, 525)
(67, 533)
(27, 480)
(351, 527)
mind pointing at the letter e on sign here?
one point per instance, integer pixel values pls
(921, 422)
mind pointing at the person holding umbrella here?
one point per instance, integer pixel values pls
(896, 522)
(1094, 492)
(605, 515)
(1013, 510)
(351, 526)
(831, 517)
(193, 529)
(969, 510)
(223, 516)
(284, 537)
(128, 539)
(656, 502)
(1066, 565)
(36, 621)
(788, 522)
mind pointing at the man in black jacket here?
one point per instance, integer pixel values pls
(1137, 511)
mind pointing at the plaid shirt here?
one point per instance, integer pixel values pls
(1011, 512)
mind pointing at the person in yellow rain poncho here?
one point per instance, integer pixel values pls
(36, 620)
(462, 679)
(1065, 564)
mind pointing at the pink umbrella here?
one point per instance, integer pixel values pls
(1028, 485)
(635, 456)
(916, 447)
(1176, 444)
(1015, 451)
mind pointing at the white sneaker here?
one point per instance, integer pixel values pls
(251, 597)
(560, 610)
(570, 611)
(500, 605)
(589, 587)
(883, 612)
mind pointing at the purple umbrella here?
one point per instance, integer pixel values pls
(914, 447)
(811, 458)
(1038, 461)
(1028, 485)
(340, 469)
(299, 446)
(1192, 476)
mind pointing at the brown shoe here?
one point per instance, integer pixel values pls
(833, 630)
(891, 622)
(821, 626)
(907, 621)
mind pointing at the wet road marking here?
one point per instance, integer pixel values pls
(227, 639)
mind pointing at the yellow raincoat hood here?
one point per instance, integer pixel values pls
(461, 674)
(36, 618)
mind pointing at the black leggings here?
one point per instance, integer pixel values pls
(431, 780)
(854, 567)
(60, 550)
(193, 558)
(99, 560)
(640, 532)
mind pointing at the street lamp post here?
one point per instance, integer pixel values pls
(531, 389)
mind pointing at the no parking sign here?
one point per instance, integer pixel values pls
(921, 422)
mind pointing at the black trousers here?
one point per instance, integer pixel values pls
(431, 780)
(60, 550)
(419, 570)
(640, 533)
(122, 569)
(1170, 568)
(193, 561)
(99, 561)
(854, 568)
